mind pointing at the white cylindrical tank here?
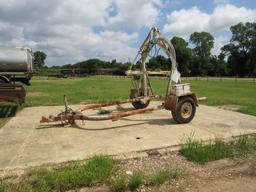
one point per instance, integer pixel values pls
(14, 60)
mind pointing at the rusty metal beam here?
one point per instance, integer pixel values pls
(79, 116)
(117, 102)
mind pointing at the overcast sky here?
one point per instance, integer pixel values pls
(73, 30)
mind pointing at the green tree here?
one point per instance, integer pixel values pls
(221, 68)
(241, 51)
(203, 43)
(39, 58)
(91, 65)
(121, 68)
(159, 63)
(218, 65)
(183, 55)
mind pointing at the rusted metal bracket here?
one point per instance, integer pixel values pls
(12, 92)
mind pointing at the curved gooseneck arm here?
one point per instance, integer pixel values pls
(153, 38)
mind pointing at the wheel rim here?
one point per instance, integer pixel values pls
(186, 110)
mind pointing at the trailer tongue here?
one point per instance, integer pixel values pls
(69, 116)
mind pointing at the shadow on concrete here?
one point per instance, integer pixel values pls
(109, 128)
(153, 121)
(84, 128)
(162, 122)
(54, 126)
(8, 110)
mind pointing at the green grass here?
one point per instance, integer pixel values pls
(166, 173)
(24, 187)
(87, 89)
(103, 112)
(245, 144)
(240, 93)
(100, 89)
(202, 153)
(120, 108)
(2, 187)
(96, 170)
(118, 184)
(159, 176)
(135, 181)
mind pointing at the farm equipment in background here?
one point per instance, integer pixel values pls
(16, 65)
(179, 99)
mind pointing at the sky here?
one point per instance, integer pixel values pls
(69, 31)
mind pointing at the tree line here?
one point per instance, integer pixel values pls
(194, 57)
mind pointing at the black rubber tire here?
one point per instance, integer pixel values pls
(138, 104)
(178, 115)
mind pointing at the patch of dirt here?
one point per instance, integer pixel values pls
(230, 107)
(36, 94)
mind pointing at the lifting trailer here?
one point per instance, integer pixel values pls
(179, 99)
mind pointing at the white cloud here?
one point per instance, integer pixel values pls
(87, 12)
(9, 31)
(227, 15)
(72, 30)
(20, 11)
(187, 21)
(79, 43)
(135, 14)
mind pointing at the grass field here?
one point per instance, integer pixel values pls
(93, 89)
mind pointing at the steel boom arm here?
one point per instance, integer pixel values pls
(153, 38)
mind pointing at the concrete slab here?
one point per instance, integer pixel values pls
(24, 142)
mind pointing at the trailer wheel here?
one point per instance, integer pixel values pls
(185, 110)
(138, 104)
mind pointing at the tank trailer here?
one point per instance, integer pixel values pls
(16, 65)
